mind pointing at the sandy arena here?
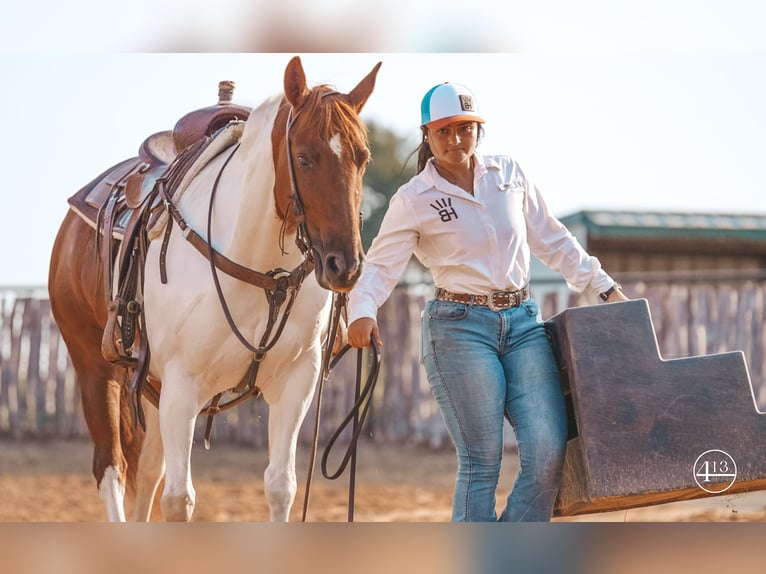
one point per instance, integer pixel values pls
(51, 482)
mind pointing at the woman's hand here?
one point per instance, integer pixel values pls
(360, 332)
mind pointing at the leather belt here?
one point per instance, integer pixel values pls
(495, 300)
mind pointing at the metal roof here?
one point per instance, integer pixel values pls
(645, 224)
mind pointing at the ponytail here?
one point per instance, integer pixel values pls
(424, 150)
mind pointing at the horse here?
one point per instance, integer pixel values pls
(295, 176)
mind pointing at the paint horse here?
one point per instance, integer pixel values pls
(277, 214)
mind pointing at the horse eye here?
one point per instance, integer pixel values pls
(303, 160)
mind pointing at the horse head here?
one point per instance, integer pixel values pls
(321, 152)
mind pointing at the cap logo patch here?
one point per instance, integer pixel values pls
(466, 103)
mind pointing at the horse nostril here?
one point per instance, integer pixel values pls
(338, 267)
(335, 265)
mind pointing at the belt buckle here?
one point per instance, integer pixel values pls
(495, 307)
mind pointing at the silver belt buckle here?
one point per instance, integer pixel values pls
(491, 300)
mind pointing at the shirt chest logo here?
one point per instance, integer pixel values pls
(444, 209)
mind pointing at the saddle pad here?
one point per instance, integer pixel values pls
(227, 137)
(223, 140)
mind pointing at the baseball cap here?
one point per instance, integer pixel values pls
(446, 103)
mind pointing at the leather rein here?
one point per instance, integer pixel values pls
(356, 417)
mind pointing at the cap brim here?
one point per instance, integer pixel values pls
(436, 124)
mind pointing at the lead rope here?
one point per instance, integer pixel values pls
(339, 303)
(361, 394)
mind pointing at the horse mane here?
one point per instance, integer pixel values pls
(328, 115)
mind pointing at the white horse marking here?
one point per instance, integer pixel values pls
(112, 492)
(336, 146)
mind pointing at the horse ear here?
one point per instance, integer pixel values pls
(358, 96)
(295, 82)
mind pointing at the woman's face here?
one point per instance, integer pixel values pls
(454, 143)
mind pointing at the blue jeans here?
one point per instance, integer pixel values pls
(484, 366)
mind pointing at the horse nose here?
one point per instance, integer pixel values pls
(343, 269)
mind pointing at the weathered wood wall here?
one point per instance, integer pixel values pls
(38, 391)
(693, 314)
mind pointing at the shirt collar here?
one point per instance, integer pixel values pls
(429, 178)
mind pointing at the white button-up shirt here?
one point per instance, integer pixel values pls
(471, 243)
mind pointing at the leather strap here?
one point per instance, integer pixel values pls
(221, 262)
(605, 295)
(495, 300)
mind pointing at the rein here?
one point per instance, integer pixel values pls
(284, 290)
(280, 286)
(356, 416)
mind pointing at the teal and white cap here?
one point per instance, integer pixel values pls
(446, 103)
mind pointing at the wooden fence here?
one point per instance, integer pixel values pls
(692, 315)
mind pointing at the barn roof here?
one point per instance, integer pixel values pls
(669, 225)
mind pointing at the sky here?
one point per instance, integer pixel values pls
(597, 118)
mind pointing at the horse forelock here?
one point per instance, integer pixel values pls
(329, 116)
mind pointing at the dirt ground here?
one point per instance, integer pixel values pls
(51, 482)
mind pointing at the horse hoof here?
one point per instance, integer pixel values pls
(177, 508)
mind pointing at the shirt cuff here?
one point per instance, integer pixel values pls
(602, 283)
(359, 307)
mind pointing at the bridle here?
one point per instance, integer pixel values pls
(302, 237)
(285, 292)
(276, 297)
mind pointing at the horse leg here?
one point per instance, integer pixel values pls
(287, 408)
(178, 413)
(100, 394)
(79, 312)
(100, 398)
(151, 465)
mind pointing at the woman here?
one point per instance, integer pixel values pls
(473, 221)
